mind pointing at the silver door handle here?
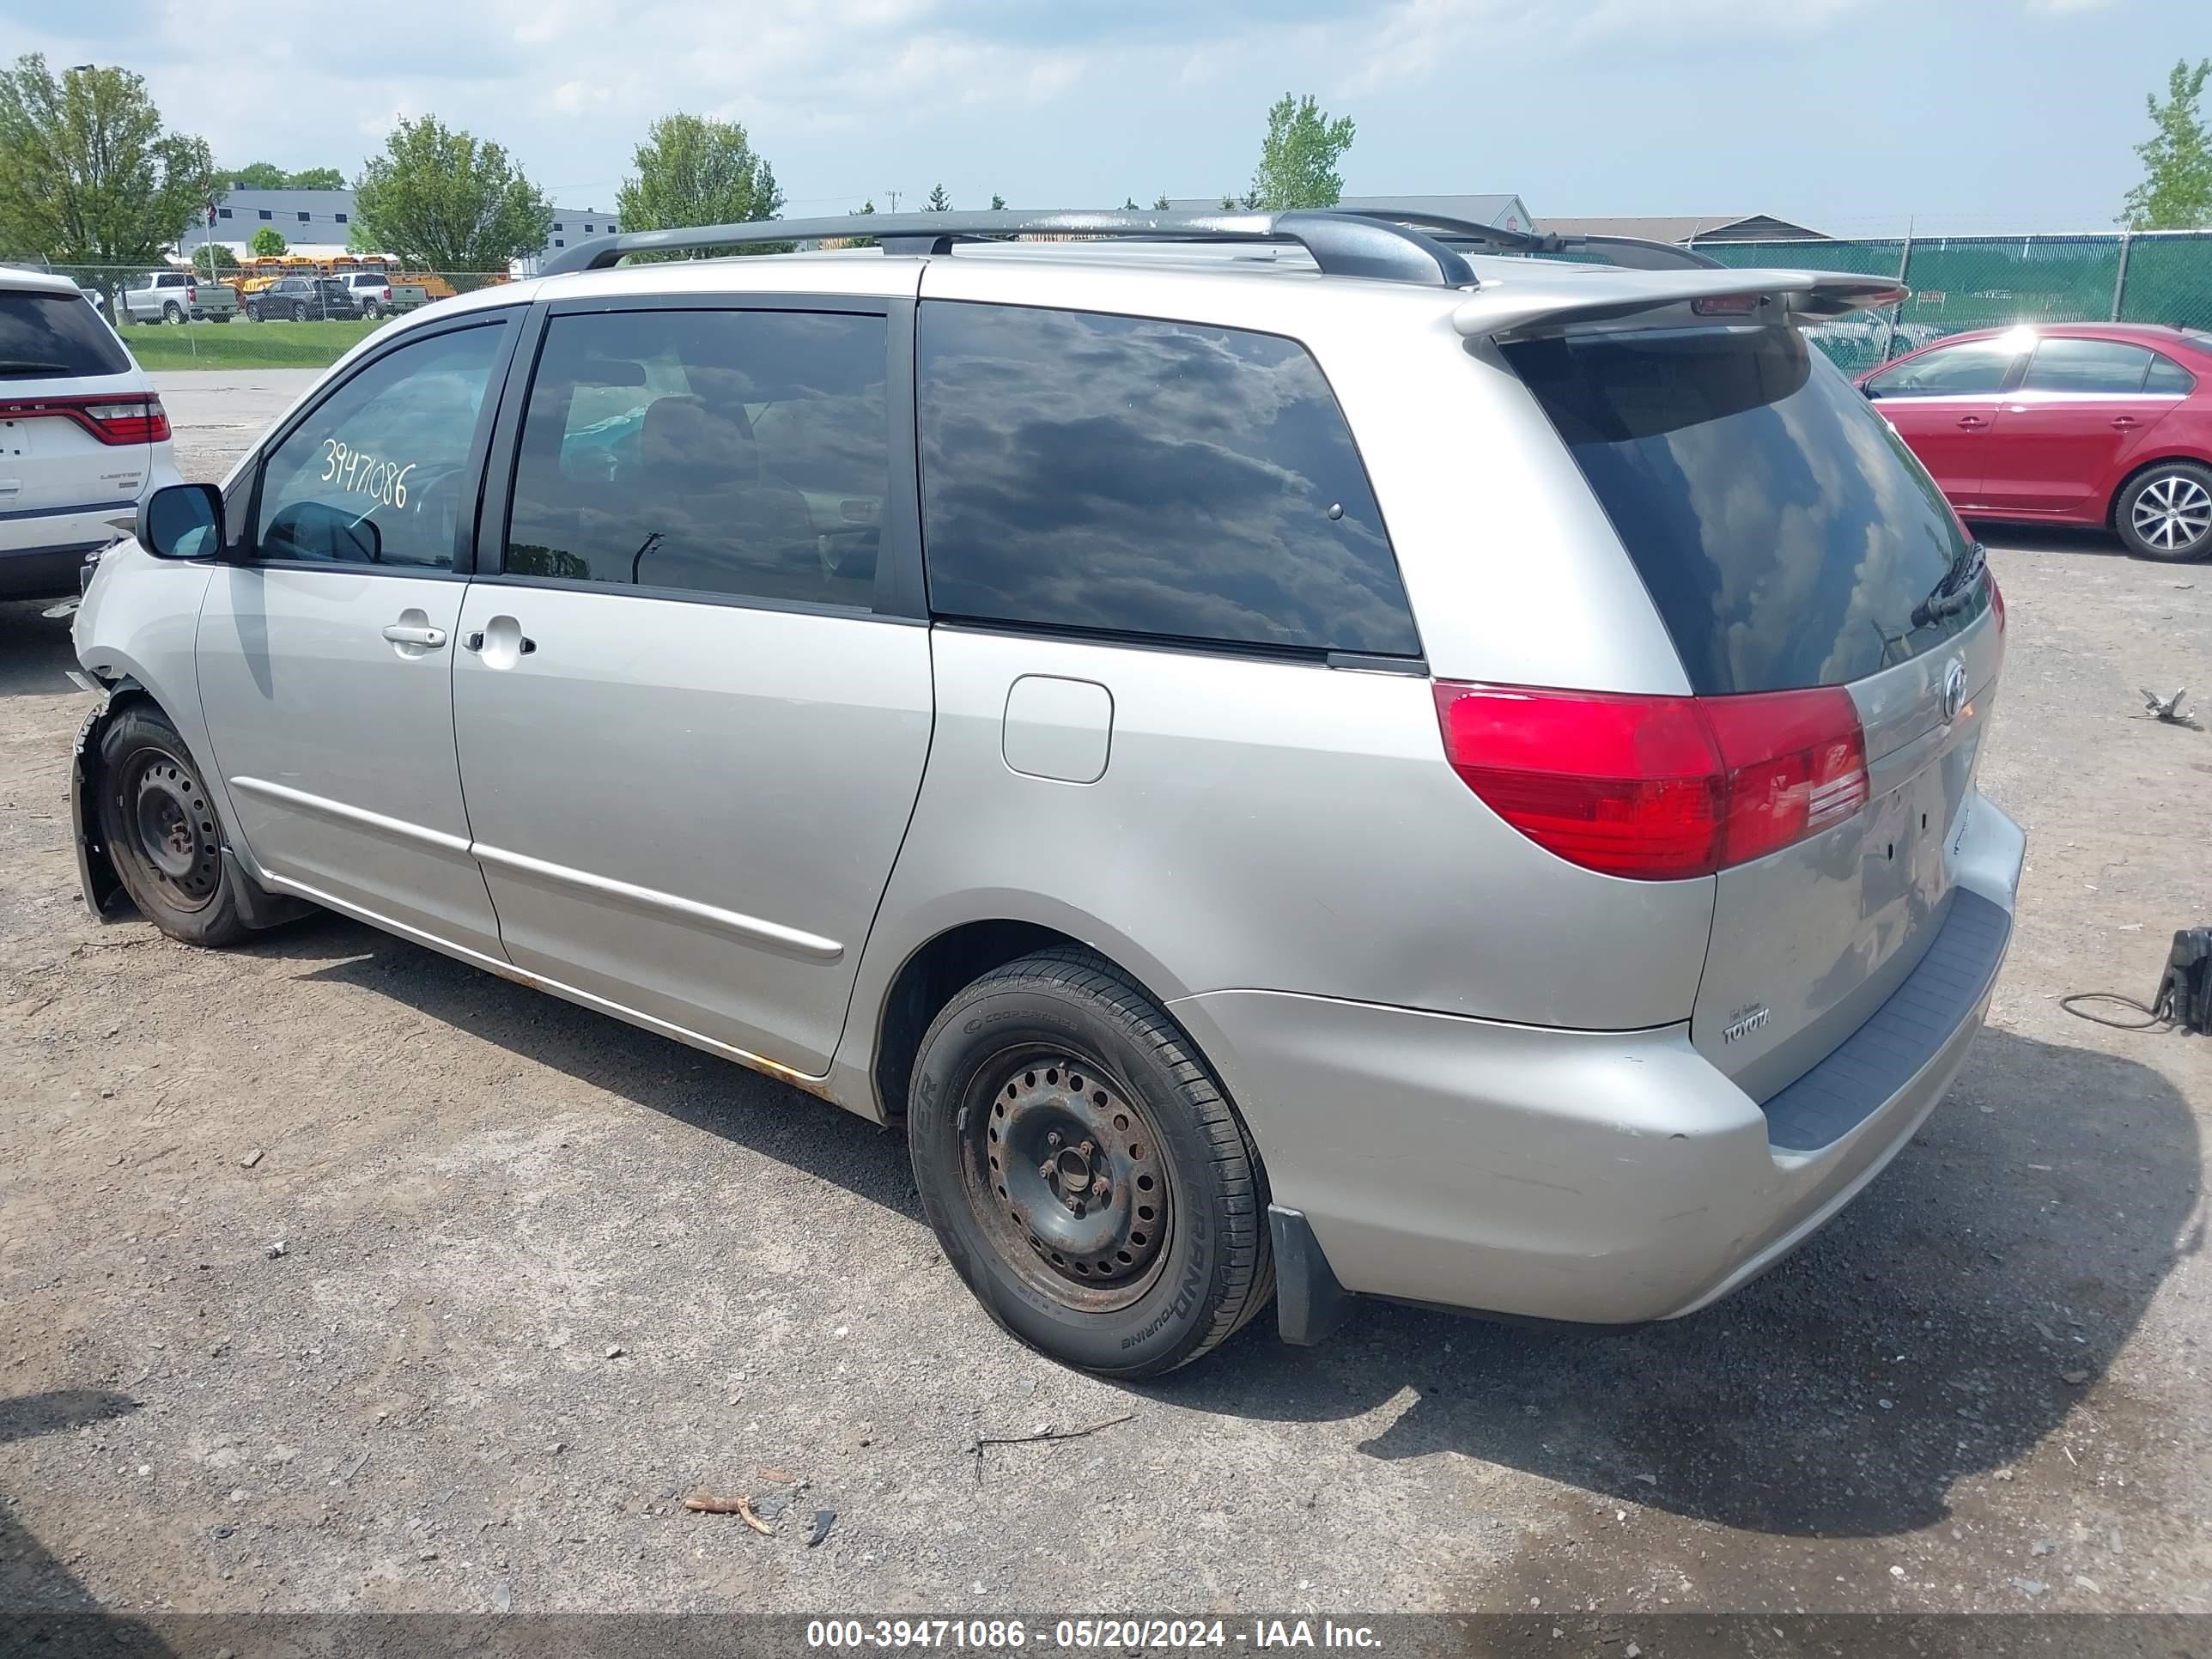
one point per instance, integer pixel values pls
(409, 634)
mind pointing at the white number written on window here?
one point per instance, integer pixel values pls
(357, 472)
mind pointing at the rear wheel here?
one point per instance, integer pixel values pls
(161, 831)
(2167, 513)
(173, 312)
(1083, 1173)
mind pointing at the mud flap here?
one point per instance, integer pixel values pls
(1309, 1304)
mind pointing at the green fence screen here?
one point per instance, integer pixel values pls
(1962, 282)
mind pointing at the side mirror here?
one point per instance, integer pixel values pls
(182, 521)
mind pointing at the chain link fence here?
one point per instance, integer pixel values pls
(1962, 282)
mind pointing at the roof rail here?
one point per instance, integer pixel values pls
(1341, 244)
(1632, 252)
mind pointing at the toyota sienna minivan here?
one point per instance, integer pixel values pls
(1299, 757)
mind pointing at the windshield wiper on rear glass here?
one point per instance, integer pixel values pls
(24, 365)
(1955, 592)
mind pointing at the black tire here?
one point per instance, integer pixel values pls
(253, 314)
(1167, 1255)
(371, 311)
(173, 312)
(2166, 513)
(161, 832)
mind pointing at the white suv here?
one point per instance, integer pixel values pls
(83, 438)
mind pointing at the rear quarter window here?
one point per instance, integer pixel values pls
(55, 335)
(1785, 534)
(1128, 476)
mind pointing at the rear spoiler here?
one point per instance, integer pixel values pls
(1550, 301)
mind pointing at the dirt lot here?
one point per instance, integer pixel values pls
(543, 1275)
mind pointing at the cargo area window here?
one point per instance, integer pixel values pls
(1786, 535)
(48, 335)
(1127, 476)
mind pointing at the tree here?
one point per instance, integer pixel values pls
(268, 243)
(1298, 157)
(866, 210)
(88, 175)
(2176, 191)
(442, 198)
(693, 170)
(998, 203)
(267, 175)
(1163, 204)
(214, 259)
(1128, 204)
(938, 201)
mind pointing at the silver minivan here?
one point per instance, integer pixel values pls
(1298, 756)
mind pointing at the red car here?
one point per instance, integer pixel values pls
(2088, 423)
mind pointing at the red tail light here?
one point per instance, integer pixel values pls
(191, 295)
(1658, 788)
(128, 419)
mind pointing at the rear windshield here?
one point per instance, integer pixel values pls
(1787, 536)
(46, 336)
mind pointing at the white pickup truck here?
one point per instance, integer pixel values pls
(177, 296)
(379, 296)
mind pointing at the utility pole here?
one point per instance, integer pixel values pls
(892, 195)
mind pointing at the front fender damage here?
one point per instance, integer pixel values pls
(104, 895)
(95, 870)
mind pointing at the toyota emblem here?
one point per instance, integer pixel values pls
(1954, 690)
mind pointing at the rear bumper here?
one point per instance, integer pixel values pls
(1595, 1178)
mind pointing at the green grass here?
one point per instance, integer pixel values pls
(239, 344)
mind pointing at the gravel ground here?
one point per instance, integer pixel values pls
(337, 1276)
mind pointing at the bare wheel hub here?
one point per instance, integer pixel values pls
(1067, 1171)
(173, 828)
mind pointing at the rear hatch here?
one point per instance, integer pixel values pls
(1789, 541)
(77, 420)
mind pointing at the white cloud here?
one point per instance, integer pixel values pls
(1421, 38)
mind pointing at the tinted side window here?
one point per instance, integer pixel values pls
(1962, 370)
(378, 474)
(739, 452)
(2167, 378)
(2100, 366)
(1093, 471)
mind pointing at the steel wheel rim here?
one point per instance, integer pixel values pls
(2172, 514)
(170, 829)
(1063, 1169)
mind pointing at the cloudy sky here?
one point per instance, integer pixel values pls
(1849, 115)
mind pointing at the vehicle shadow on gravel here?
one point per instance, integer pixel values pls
(30, 1576)
(1928, 1334)
(2014, 1243)
(701, 1090)
(35, 654)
